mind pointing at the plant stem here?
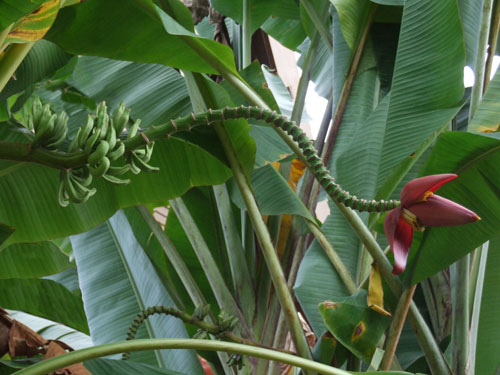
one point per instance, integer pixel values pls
(217, 283)
(321, 28)
(396, 327)
(346, 88)
(3, 35)
(247, 34)
(242, 281)
(460, 322)
(267, 247)
(175, 259)
(477, 89)
(77, 356)
(10, 61)
(493, 39)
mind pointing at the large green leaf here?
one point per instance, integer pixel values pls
(358, 327)
(120, 29)
(317, 280)
(273, 194)
(31, 260)
(487, 348)
(427, 86)
(117, 282)
(155, 93)
(260, 10)
(53, 331)
(13, 10)
(487, 116)
(44, 298)
(29, 195)
(471, 13)
(477, 188)
(352, 15)
(116, 367)
(41, 62)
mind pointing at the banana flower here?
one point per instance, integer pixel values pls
(420, 208)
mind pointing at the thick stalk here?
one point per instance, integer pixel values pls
(318, 22)
(175, 259)
(477, 89)
(247, 34)
(493, 39)
(460, 315)
(12, 58)
(396, 327)
(267, 247)
(346, 88)
(77, 356)
(3, 35)
(217, 283)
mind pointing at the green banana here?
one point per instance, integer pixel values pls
(133, 167)
(59, 132)
(117, 152)
(86, 130)
(82, 190)
(118, 171)
(43, 119)
(92, 140)
(101, 168)
(37, 111)
(143, 165)
(111, 137)
(100, 152)
(73, 146)
(102, 119)
(62, 195)
(120, 118)
(115, 180)
(44, 131)
(133, 129)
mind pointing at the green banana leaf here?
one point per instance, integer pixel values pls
(487, 116)
(5, 232)
(13, 10)
(134, 24)
(32, 260)
(317, 280)
(352, 15)
(117, 282)
(487, 351)
(42, 61)
(116, 367)
(355, 325)
(53, 331)
(470, 13)
(44, 298)
(475, 188)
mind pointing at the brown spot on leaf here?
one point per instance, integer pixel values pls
(358, 331)
(330, 305)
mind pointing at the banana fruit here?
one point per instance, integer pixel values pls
(49, 129)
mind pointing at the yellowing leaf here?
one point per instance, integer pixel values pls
(375, 297)
(34, 26)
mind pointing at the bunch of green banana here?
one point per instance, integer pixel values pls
(50, 129)
(139, 158)
(74, 186)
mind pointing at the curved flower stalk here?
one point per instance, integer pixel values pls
(420, 208)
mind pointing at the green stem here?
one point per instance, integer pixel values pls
(477, 89)
(396, 327)
(3, 35)
(242, 281)
(175, 259)
(77, 356)
(247, 34)
(267, 247)
(493, 39)
(10, 61)
(320, 25)
(217, 283)
(460, 316)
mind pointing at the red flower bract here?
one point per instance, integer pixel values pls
(420, 208)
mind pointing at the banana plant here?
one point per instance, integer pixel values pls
(159, 196)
